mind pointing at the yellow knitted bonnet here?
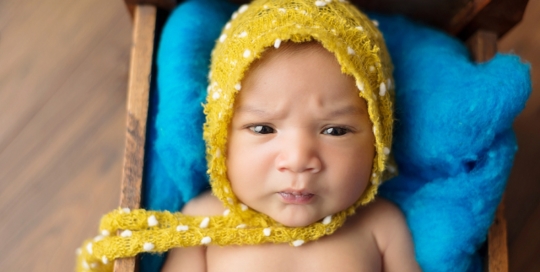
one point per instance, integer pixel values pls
(340, 28)
(359, 49)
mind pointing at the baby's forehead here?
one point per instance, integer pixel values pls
(285, 50)
(307, 70)
(293, 57)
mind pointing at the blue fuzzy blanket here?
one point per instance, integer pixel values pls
(454, 143)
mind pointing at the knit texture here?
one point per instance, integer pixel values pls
(359, 48)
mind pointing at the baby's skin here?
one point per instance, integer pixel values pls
(300, 148)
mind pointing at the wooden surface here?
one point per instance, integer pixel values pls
(165, 4)
(458, 17)
(137, 105)
(482, 45)
(497, 251)
(140, 73)
(523, 191)
(498, 16)
(63, 81)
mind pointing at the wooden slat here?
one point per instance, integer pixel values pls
(63, 71)
(499, 16)
(448, 15)
(137, 110)
(164, 4)
(131, 9)
(497, 243)
(458, 17)
(465, 15)
(482, 45)
(137, 105)
(522, 201)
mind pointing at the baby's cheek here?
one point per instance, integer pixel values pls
(355, 170)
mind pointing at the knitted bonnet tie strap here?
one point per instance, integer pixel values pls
(126, 233)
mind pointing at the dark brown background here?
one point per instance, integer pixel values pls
(63, 75)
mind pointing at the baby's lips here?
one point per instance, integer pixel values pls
(293, 197)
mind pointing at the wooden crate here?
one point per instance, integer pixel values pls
(478, 22)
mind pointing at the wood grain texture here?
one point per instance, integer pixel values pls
(482, 45)
(457, 17)
(137, 106)
(164, 4)
(437, 13)
(131, 9)
(465, 15)
(126, 265)
(137, 111)
(523, 190)
(497, 247)
(63, 76)
(498, 16)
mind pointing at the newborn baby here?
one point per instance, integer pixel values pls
(299, 124)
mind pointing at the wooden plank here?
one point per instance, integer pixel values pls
(443, 14)
(164, 4)
(31, 48)
(62, 96)
(458, 17)
(137, 111)
(483, 47)
(125, 265)
(465, 15)
(131, 9)
(499, 16)
(497, 243)
(528, 244)
(522, 193)
(137, 105)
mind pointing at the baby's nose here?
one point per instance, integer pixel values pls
(299, 154)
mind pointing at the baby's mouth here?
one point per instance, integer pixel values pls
(296, 197)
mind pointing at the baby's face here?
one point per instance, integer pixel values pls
(300, 143)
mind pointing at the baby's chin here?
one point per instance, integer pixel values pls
(295, 221)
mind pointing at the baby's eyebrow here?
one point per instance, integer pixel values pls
(253, 110)
(348, 110)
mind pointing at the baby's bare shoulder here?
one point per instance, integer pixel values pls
(392, 235)
(204, 204)
(382, 210)
(384, 218)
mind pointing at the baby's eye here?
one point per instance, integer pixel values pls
(335, 131)
(261, 129)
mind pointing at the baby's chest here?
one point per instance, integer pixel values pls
(328, 254)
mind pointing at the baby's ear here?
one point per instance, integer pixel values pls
(449, 109)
